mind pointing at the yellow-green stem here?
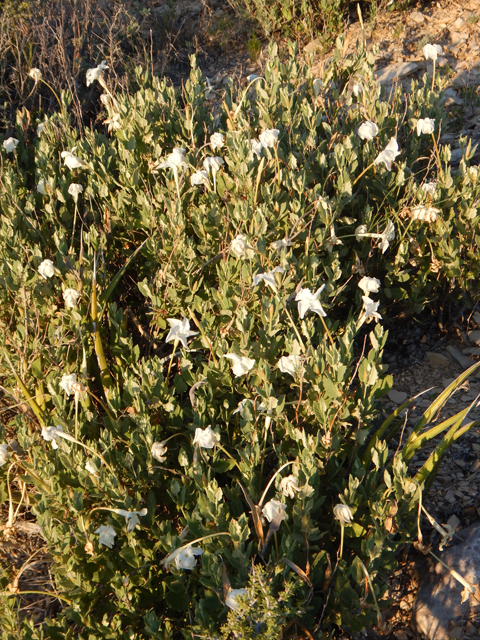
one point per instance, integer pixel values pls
(92, 451)
(41, 396)
(175, 345)
(76, 414)
(437, 153)
(367, 575)
(266, 258)
(172, 555)
(7, 594)
(264, 494)
(28, 470)
(22, 497)
(73, 229)
(85, 164)
(33, 405)
(53, 91)
(295, 329)
(342, 530)
(175, 175)
(237, 110)
(257, 182)
(106, 378)
(204, 335)
(455, 574)
(268, 421)
(326, 329)
(363, 173)
(102, 404)
(10, 501)
(231, 458)
(277, 167)
(175, 435)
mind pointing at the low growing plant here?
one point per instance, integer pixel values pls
(191, 320)
(301, 19)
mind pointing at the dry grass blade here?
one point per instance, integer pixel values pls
(256, 518)
(26, 562)
(300, 572)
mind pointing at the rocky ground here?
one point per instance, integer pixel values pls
(426, 358)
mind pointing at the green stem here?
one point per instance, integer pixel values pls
(268, 421)
(100, 177)
(102, 404)
(326, 329)
(204, 335)
(257, 182)
(171, 556)
(73, 229)
(33, 405)
(106, 378)
(231, 458)
(455, 574)
(243, 97)
(264, 494)
(296, 330)
(7, 594)
(76, 414)
(342, 530)
(10, 501)
(28, 470)
(437, 153)
(70, 438)
(362, 174)
(255, 250)
(175, 345)
(53, 91)
(175, 435)
(367, 575)
(41, 396)
(175, 175)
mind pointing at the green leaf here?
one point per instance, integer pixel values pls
(131, 557)
(178, 601)
(330, 388)
(145, 290)
(358, 530)
(221, 466)
(37, 369)
(103, 299)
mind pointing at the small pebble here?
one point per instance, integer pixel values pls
(438, 359)
(397, 396)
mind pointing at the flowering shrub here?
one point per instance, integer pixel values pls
(202, 438)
